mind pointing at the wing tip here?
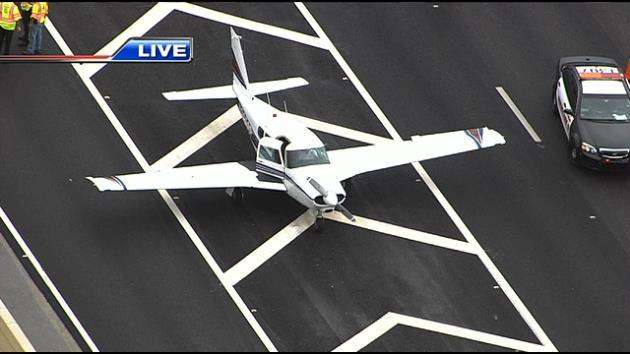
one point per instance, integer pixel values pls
(493, 137)
(168, 95)
(104, 184)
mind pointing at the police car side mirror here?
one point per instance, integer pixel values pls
(569, 111)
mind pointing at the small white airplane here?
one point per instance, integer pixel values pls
(290, 157)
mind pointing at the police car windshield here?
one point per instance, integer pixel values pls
(307, 157)
(605, 108)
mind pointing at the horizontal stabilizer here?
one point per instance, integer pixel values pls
(223, 92)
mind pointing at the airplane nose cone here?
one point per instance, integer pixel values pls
(331, 199)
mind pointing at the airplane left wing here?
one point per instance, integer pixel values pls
(354, 161)
(222, 175)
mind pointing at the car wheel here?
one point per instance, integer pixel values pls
(575, 154)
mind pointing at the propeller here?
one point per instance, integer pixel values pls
(340, 208)
(345, 212)
(318, 187)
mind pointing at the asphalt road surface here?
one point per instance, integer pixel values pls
(127, 265)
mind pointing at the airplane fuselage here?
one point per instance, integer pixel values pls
(312, 183)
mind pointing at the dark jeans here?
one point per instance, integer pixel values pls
(5, 38)
(26, 15)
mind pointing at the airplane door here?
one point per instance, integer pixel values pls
(269, 158)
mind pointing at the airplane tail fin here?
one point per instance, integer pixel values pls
(238, 63)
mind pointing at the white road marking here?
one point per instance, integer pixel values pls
(47, 281)
(519, 115)
(485, 259)
(236, 298)
(340, 131)
(270, 248)
(391, 320)
(199, 140)
(324, 43)
(213, 15)
(138, 29)
(157, 13)
(286, 236)
(405, 233)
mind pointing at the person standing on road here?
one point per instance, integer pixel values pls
(39, 14)
(25, 9)
(9, 22)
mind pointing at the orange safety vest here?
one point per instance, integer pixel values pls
(10, 16)
(40, 12)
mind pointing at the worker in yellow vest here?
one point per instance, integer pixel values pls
(39, 14)
(25, 9)
(9, 22)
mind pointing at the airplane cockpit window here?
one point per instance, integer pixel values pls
(270, 154)
(307, 157)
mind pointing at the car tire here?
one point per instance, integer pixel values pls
(575, 154)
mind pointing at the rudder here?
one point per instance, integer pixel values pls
(238, 63)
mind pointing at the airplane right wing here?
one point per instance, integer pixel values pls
(222, 175)
(354, 161)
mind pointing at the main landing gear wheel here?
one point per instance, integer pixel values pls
(236, 194)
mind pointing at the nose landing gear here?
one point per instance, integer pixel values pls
(319, 221)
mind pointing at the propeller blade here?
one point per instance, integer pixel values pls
(345, 212)
(318, 187)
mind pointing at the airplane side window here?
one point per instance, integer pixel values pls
(270, 154)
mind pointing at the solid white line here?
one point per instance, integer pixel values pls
(213, 15)
(98, 97)
(270, 248)
(51, 286)
(199, 140)
(519, 115)
(165, 196)
(139, 28)
(390, 320)
(405, 233)
(485, 259)
(368, 335)
(194, 237)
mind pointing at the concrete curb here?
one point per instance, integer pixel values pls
(12, 338)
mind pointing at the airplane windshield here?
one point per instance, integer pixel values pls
(307, 157)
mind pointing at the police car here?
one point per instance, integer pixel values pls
(592, 99)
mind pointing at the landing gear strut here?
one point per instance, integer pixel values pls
(319, 221)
